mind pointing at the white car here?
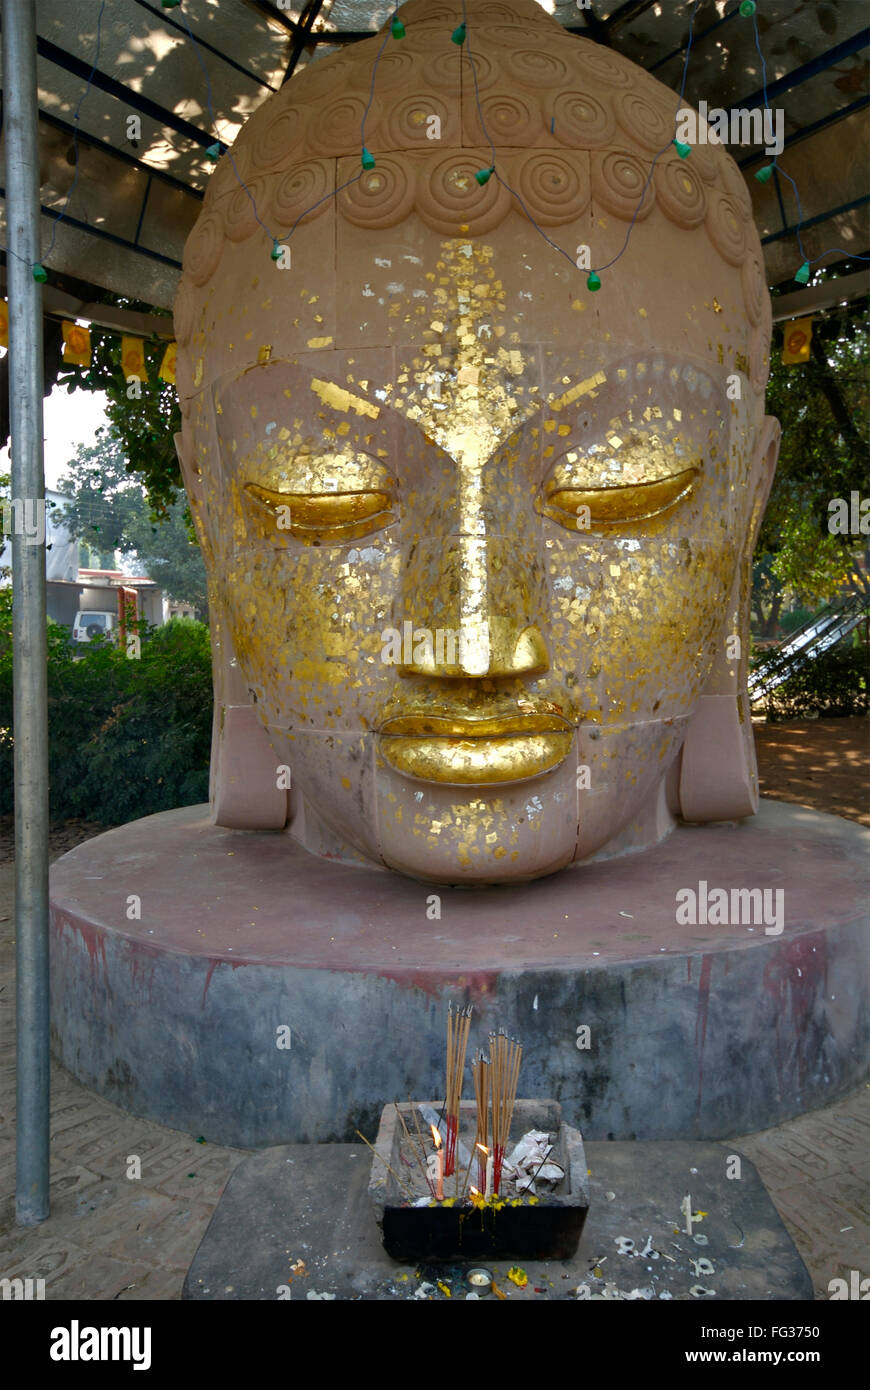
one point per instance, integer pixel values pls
(89, 626)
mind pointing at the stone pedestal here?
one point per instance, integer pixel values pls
(308, 1204)
(246, 943)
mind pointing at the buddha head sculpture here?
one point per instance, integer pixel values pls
(478, 536)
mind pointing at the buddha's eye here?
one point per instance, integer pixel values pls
(333, 500)
(583, 508)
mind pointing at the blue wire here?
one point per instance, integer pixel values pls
(334, 193)
(362, 132)
(780, 170)
(214, 122)
(636, 214)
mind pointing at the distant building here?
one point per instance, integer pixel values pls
(71, 591)
(61, 550)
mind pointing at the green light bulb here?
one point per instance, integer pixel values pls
(484, 175)
(803, 275)
(764, 174)
(594, 282)
(276, 251)
(682, 150)
(397, 28)
(747, 8)
(40, 274)
(458, 35)
(368, 159)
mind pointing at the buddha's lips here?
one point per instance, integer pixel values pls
(459, 751)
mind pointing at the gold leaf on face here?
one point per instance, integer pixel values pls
(300, 469)
(612, 506)
(321, 509)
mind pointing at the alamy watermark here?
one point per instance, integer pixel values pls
(22, 1290)
(742, 907)
(448, 646)
(23, 516)
(850, 518)
(737, 126)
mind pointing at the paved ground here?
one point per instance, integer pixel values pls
(821, 763)
(112, 1237)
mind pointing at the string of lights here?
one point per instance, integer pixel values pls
(460, 36)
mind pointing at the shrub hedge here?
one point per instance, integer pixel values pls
(125, 738)
(835, 685)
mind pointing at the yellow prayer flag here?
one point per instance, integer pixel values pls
(796, 341)
(133, 358)
(4, 323)
(167, 366)
(76, 344)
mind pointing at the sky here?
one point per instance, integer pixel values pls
(68, 420)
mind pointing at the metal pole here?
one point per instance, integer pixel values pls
(29, 627)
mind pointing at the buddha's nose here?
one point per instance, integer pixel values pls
(474, 606)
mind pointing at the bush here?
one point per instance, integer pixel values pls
(835, 685)
(790, 622)
(125, 738)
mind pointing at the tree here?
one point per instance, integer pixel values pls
(822, 405)
(145, 425)
(109, 511)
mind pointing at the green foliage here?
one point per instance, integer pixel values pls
(126, 738)
(821, 405)
(834, 685)
(790, 622)
(108, 511)
(144, 427)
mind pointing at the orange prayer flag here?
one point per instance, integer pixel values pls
(76, 344)
(167, 366)
(133, 358)
(4, 323)
(796, 341)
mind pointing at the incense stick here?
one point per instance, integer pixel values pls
(506, 1055)
(413, 1149)
(407, 1191)
(480, 1076)
(457, 1042)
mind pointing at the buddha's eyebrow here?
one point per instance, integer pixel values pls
(583, 388)
(339, 399)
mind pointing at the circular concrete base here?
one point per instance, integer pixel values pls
(229, 984)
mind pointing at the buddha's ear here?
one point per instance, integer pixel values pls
(761, 477)
(192, 479)
(190, 475)
(718, 777)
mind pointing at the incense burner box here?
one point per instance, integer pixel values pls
(512, 1225)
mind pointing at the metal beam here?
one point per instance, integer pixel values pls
(303, 35)
(164, 17)
(821, 124)
(631, 9)
(94, 143)
(702, 34)
(29, 637)
(813, 221)
(58, 304)
(819, 297)
(279, 18)
(136, 100)
(798, 76)
(104, 235)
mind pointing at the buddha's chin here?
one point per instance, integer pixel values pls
(481, 831)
